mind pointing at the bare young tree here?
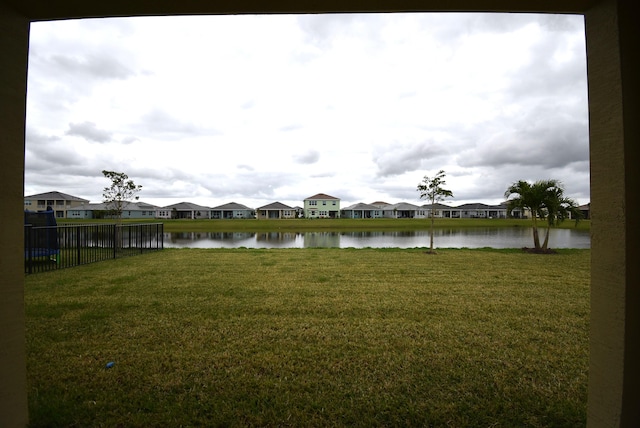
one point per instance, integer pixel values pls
(431, 188)
(120, 193)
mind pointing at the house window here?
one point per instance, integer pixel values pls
(27, 203)
(334, 203)
(314, 203)
(324, 202)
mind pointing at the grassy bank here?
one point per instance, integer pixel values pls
(311, 337)
(337, 225)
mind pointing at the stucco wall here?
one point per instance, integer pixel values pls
(613, 70)
(14, 31)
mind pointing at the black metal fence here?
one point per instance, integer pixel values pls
(57, 247)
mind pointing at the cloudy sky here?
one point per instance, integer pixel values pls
(257, 109)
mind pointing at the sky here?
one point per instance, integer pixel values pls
(255, 109)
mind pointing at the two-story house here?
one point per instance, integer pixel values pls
(59, 202)
(322, 206)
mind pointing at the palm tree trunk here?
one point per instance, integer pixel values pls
(536, 237)
(546, 239)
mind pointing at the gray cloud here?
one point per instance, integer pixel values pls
(89, 131)
(35, 139)
(310, 157)
(129, 140)
(543, 138)
(160, 123)
(509, 22)
(255, 185)
(546, 76)
(400, 158)
(99, 66)
(55, 157)
(322, 30)
(162, 175)
(325, 31)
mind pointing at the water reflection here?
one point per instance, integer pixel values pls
(444, 238)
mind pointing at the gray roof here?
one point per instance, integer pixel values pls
(231, 206)
(186, 206)
(401, 206)
(478, 206)
(438, 206)
(362, 207)
(144, 205)
(131, 206)
(276, 206)
(56, 196)
(89, 207)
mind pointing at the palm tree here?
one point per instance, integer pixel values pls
(432, 188)
(559, 208)
(545, 200)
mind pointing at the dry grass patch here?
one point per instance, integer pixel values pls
(312, 337)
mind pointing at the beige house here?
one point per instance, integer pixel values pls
(276, 210)
(57, 201)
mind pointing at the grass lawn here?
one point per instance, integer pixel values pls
(311, 337)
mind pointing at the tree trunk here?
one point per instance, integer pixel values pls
(431, 229)
(546, 239)
(536, 237)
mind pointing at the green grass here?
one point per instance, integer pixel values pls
(334, 225)
(312, 337)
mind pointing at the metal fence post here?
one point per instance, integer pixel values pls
(27, 246)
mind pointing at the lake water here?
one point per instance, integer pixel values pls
(516, 237)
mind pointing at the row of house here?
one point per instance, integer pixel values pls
(317, 206)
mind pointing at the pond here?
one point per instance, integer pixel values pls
(516, 237)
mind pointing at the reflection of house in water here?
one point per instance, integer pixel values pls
(191, 239)
(321, 239)
(276, 236)
(230, 236)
